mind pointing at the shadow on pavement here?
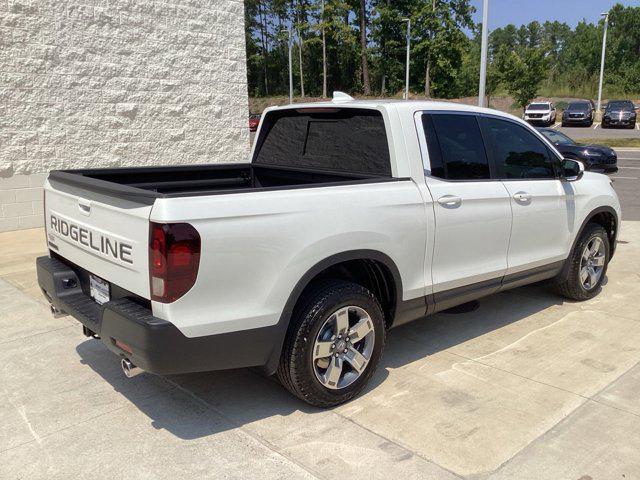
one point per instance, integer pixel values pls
(198, 405)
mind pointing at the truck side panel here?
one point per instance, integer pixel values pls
(254, 251)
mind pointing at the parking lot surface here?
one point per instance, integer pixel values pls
(596, 131)
(527, 386)
(627, 182)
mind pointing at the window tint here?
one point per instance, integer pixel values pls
(518, 153)
(456, 149)
(344, 140)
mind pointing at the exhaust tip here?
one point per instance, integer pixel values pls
(129, 369)
(56, 312)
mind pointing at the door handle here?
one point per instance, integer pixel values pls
(450, 201)
(522, 197)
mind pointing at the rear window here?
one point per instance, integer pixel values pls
(340, 140)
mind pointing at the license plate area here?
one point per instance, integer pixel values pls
(99, 289)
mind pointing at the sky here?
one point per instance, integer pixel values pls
(518, 12)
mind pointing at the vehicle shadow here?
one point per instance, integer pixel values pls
(198, 405)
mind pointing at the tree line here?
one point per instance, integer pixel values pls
(359, 46)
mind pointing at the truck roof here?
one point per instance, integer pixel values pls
(342, 100)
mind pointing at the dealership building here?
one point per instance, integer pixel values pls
(88, 84)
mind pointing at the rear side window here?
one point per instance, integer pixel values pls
(340, 140)
(518, 153)
(456, 149)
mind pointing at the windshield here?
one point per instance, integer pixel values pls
(538, 106)
(557, 137)
(580, 107)
(620, 106)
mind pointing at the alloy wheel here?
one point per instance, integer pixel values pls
(343, 347)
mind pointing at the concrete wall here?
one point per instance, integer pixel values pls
(97, 83)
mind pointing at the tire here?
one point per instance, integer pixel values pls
(573, 286)
(315, 321)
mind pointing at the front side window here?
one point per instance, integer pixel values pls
(456, 149)
(518, 153)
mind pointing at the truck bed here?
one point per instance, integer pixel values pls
(145, 184)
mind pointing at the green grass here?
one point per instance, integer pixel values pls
(612, 142)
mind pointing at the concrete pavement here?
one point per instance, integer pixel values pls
(526, 386)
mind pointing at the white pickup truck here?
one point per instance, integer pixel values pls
(352, 217)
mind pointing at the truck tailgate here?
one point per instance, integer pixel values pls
(106, 235)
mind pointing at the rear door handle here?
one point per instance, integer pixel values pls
(450, 201)
(522, 197)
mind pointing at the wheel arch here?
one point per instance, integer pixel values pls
(605, 216)
(375, 269)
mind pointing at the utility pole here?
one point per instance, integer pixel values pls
(604, 49)
(483, 53)
(406, 80)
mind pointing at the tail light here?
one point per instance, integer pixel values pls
(174, 257)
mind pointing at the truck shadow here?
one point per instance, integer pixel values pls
(198, 405)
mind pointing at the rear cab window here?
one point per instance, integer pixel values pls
(340, 140)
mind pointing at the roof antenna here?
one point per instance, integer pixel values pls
(341, 97)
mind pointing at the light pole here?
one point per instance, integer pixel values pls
(483, 53)
(406, 80)
(288, 30)
(604, 49)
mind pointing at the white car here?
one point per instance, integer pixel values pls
(541, 113)
(351, 218)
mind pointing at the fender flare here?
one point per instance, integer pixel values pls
(285, 317)
(564, 273)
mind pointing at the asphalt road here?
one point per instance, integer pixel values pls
(596, 131)
(627, 183)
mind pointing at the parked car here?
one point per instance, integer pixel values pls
(578, 113)
(351, 218)
(619, 113)
(254, 121)
(598, 158)
(540, 113)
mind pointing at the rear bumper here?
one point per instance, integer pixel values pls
(157, 345)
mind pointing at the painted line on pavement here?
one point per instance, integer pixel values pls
(632, 159)
(625, 178)
(631, 168)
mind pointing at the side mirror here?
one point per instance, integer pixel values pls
(572, 170)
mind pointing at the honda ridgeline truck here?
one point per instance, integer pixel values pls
(352, 217)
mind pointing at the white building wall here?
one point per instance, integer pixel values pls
(106, 83)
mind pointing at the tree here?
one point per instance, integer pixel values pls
(362, 18)
(522, 75)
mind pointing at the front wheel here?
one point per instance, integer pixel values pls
(588, 264)
(334, 345)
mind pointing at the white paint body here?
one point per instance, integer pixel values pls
(256, 246)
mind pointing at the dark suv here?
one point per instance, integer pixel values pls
(579, 112)
(619, 113)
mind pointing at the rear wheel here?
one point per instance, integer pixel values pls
(335, 344)
(588, 264)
